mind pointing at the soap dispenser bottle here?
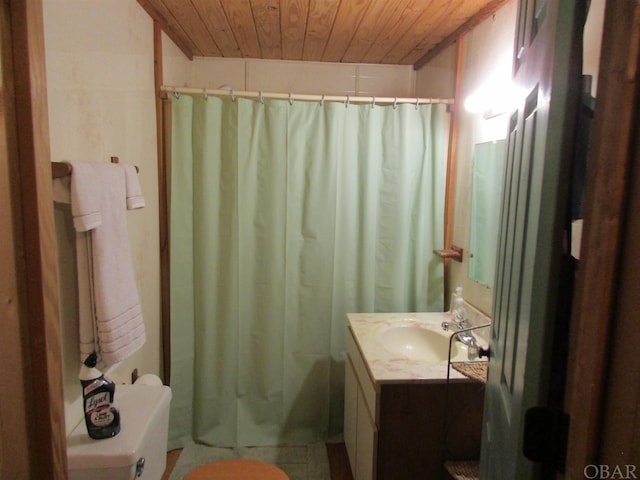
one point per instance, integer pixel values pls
(98, 392)
(458, 309)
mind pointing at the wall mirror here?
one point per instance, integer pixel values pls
(486, 197)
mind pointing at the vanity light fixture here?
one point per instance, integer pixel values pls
(494, 98)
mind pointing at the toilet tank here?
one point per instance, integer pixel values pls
(140, 445)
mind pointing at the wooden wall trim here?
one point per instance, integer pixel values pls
(163, 198)
(451, 162)
(14, 421)
(606, 213)
(41, 344)
(169, 27)
(620, 436)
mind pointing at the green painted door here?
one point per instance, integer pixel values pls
(540, 141)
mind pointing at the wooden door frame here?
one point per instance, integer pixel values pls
(604, 370)
(32, 433)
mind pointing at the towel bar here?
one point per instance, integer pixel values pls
(63, 169)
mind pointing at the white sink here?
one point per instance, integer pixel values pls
(417, 343)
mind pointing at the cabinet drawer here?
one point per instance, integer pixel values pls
(366, 384)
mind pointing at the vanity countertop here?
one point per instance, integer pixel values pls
(387, 367)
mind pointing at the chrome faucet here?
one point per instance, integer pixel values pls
(465, 336)
(464, 332)
(462, 325)
(458, 312)
(458, 320)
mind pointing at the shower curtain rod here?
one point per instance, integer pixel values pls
(346, 99)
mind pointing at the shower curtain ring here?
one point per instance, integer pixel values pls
(176, 94)
(261, 97)
(322, 101)
(373, 102)
(395, 103)
(417, 102)
(346, 102)
(204, 92)
(290, 98)
(233, 96)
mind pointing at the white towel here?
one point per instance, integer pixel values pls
(134, 192)
(110, 316)
(119, 320)
(78, 190)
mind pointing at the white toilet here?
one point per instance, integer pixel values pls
(138, 451)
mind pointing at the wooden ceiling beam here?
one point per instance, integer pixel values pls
(460, 15)
(488, 10)
(267, 20)
(409, 32)
(215, 20)
(370, 28)
(350, 13)
(240, 17)
(320, 21)
(293, 23)
(168, 27)
(193, 27)
(428, 21)
(399, 22)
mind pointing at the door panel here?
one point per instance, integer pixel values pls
(518, 225)
(540, 141)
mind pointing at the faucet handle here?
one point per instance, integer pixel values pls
(445, 326)
(475, 351)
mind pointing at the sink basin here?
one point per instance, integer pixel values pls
(417, 343)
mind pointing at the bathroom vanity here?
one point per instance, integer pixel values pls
(402, 420)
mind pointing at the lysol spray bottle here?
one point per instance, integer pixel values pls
(98, 392)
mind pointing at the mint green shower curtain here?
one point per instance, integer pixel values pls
(283, 219)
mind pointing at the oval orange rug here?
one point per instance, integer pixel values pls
(238, 469)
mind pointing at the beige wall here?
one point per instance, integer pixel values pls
(487, 57)
(286, 76)
(99, 59)
(437, 78)
(487, 53)
(487, 60)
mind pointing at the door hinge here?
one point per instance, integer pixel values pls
(545, 436)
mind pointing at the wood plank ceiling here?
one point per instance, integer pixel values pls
(401, 32)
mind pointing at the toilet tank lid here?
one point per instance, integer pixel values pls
(138, 405)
